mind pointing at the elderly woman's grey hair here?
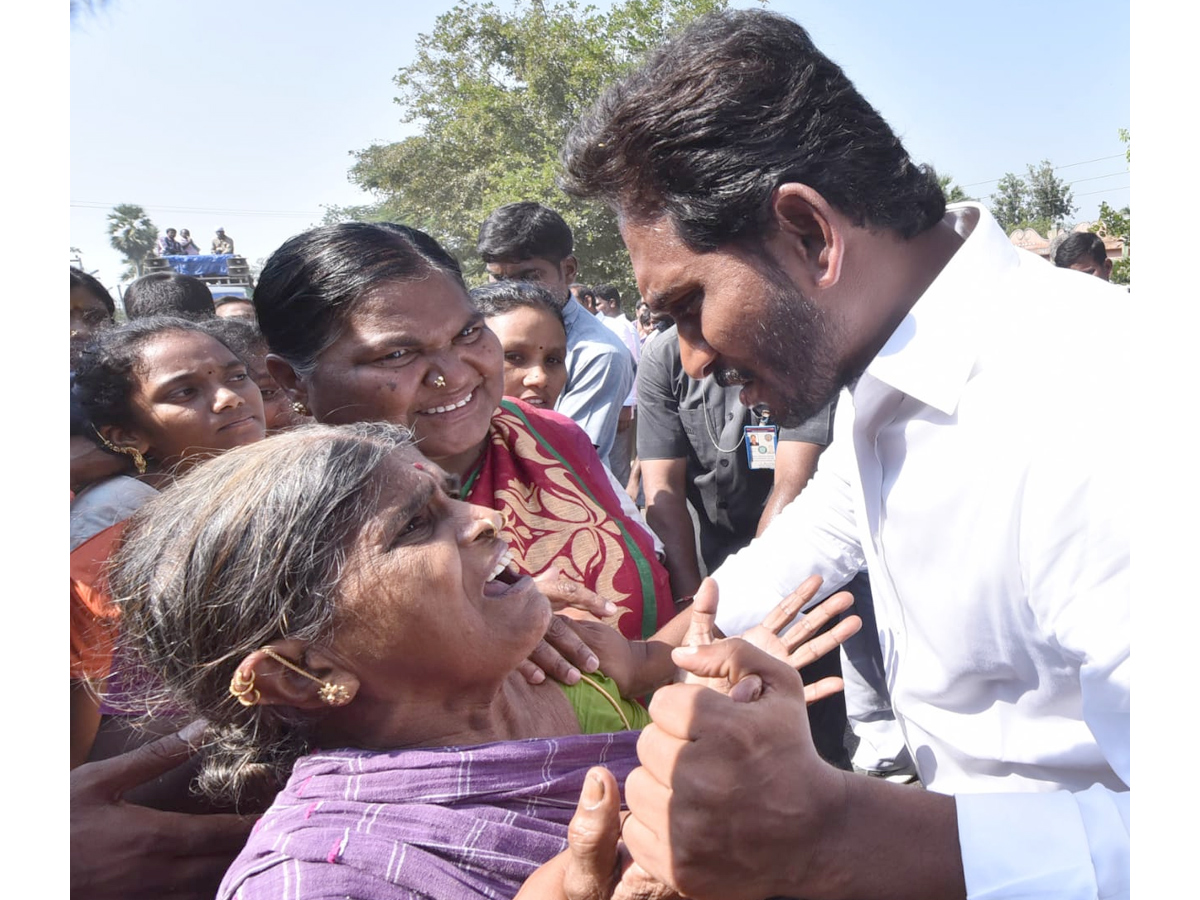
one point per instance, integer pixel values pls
(246, 549)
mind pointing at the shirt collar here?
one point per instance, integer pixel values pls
(932, 352)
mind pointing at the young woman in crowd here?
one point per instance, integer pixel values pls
(343, 624)
(529, 325)
(244, 338)
(372, 322)
(92, 308)
(532, 335)
(164, 394)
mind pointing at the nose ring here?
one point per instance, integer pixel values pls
(440, 381)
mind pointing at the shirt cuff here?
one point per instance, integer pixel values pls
(1059, 845)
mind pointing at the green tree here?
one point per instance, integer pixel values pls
(954, 193)
(1050, 200)
(1010, 203)
(133, 235)
(494, 93)
(1115, 223)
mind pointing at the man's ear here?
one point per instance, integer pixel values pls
(280, 685)
(285, 376)
(125, 437)
(1108, 264)
(570, 268)
(809, 231)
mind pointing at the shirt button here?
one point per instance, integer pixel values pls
(729, 417)
(724, 462)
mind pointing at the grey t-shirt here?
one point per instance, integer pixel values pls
(702, 422)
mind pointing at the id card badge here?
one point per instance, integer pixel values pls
(760, 446)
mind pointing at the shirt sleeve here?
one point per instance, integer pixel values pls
(1063, 844)
(815, 534)
(817, 430)
(660, 433)
(632, 512)
(596, 394)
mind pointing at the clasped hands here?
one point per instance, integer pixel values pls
(598, 864)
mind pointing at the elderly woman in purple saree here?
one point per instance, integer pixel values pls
(348, 629)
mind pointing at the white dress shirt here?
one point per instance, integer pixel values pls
(627, 334)
(599, 377)
(984, 487)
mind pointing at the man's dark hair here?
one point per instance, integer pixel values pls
(525, 230)
(732, 107)
(169, 294)
(607, 292)
(505, 296)
(81, 279)
(1079, 246)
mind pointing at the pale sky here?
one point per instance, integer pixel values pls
(243, 114)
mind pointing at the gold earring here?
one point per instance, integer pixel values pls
(139, 461)
(330, 693)
(440, 381)
(300, 409)
(242, 687)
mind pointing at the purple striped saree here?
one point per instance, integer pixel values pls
(441, 823)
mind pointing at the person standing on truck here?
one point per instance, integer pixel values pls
(187, 245)
(167, 245)
(222, 243)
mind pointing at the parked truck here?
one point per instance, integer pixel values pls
(227, 275)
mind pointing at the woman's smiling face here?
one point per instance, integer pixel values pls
(414, 353)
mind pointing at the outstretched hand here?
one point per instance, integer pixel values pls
(799, 646)
(121, 850)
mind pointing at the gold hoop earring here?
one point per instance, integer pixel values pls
(242, 687)
(300, 409)
(330, 693)
(139, 461)
(440, 381)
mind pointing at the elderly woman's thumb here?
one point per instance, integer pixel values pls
(592, 837)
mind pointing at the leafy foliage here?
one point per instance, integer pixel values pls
(1115, 223)
(1042, 201)
(494, 94)
(954, 193)
(1010, 202)
(133, 235)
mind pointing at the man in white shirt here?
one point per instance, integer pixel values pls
(529, 242)
(608, 312)
(808, 253)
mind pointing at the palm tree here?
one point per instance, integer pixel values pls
(132, 234)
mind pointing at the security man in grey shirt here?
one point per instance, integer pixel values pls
(697, 442)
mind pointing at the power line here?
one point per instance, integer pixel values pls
(1055, 169)
(87, 204)
(1105, 191)
(1095, 178)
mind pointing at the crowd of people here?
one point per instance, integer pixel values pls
(387, 585)
(180, 243)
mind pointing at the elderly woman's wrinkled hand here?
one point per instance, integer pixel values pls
(798, 646)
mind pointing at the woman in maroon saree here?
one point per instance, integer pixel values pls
(371, 322)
